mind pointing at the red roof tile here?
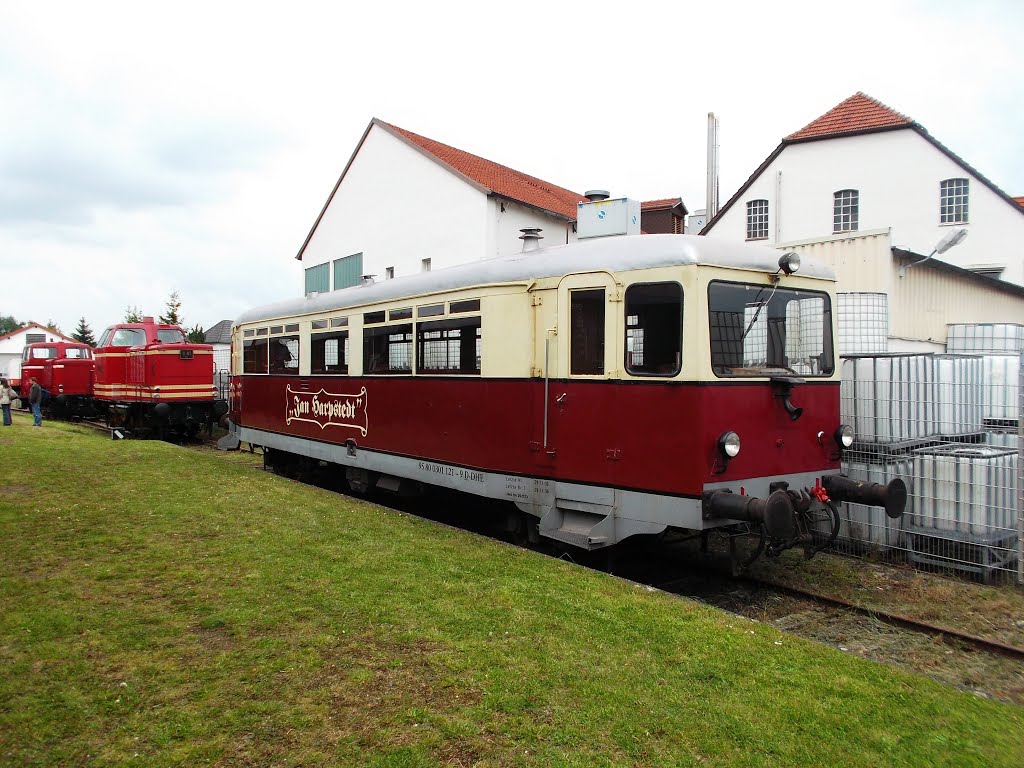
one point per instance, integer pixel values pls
(858, 113)
(669, 202)
(499, 179)
(1019, 201)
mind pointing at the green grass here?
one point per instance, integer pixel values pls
(164, 606)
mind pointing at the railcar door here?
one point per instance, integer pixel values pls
(585, 365)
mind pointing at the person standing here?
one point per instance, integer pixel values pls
(35, 400)
(6, 398)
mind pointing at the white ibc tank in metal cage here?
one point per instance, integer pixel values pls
(985, 338)
(863, 323)
(1003, 440)
(958, 388)
(869, 527)
(888, 398)
(965, 491)
(1001, 386)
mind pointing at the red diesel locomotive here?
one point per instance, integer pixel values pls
(65, 370)
(613, 387)
(150, 379)
(142, 376)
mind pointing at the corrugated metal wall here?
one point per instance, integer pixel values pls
(924, 300)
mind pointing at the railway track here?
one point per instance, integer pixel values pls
(946, 634)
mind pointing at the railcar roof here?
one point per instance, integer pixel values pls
(615, 254)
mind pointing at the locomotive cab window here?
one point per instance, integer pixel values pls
(586, 332)
(654, 329)
(329, 353)
(765, 330)
(44, 353)
(170, 336)
(284, 354)
(128, 337)
(449, 346)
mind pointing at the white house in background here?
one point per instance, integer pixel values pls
(405, 203)
(219, 337)
(14, 343)
(863, 166)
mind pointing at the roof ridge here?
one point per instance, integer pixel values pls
(856, 114)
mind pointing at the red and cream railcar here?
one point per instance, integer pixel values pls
(612, 387)
(65, 370)
(150, 378)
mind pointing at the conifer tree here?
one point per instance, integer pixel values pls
(197, 335)
(173, 307)
(132, 314)
(83, 333)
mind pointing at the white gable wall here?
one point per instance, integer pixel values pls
(897, 174)
(397, 207)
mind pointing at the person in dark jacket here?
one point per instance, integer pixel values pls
(35, 400)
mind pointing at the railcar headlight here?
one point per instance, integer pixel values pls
(729, 445)
(844, 435)
(789, 262)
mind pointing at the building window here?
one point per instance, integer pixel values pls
(425, 265)
(35, 338)
(389, 273)
(757, 220)
(449, 346)
(329, 353)
(318, 279)
(654, 329)
(845, 210)
(586, 332)
(348, 271)
(387, 349)
(953, 195)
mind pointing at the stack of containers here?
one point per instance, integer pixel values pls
(964, 502)
(890, 400)
(1001, 346)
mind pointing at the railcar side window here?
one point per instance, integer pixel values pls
(329, 353)
(586, 335)
(654, 329)
(388, 349)
(761, 330)
(254, 355)
(284, 354)
(449, 346)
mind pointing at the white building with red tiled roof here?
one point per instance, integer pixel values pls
(405, 203)
(864, 167)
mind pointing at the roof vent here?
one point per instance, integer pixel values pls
(366, 279)
(597, 195)
(531, 238)
(147, 319)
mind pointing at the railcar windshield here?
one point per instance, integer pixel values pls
(766, 330)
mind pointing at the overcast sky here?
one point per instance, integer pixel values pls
(189, 146)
